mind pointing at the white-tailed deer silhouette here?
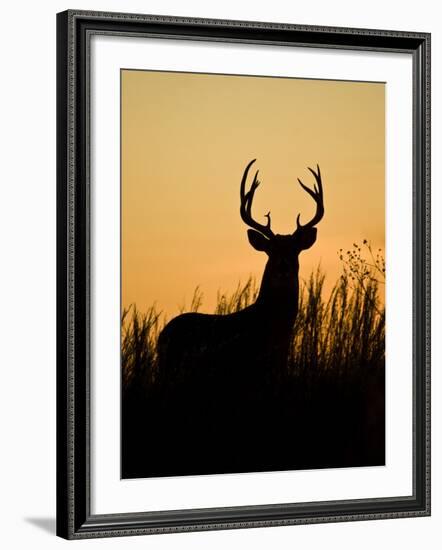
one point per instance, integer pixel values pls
(239, 357)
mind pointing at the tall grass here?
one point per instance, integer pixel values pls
(139, 337)
(345, 331)
(333, 400)
(342, 332)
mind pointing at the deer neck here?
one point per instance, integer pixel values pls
(279, 293)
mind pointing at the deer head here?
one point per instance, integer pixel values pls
(281, 272)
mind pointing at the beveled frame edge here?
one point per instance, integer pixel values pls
(74, 519)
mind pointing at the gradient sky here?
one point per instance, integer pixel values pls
(186, 139)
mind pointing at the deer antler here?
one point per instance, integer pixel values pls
(317, 196)
(246, 204)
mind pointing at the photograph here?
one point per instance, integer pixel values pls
(253, 272)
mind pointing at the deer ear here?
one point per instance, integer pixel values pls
(258, 241)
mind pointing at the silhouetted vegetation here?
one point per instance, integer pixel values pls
(328, 412)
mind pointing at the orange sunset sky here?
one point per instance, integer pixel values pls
(186, 139)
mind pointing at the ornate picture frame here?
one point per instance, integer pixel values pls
(76, 516)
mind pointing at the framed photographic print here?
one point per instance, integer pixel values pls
(243, 274)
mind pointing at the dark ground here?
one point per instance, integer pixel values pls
(316, 421)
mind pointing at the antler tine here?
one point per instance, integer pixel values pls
(318, 180)
(317, 194)
(246, 204)
(243, 182)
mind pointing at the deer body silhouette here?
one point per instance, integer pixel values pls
(238, 359)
